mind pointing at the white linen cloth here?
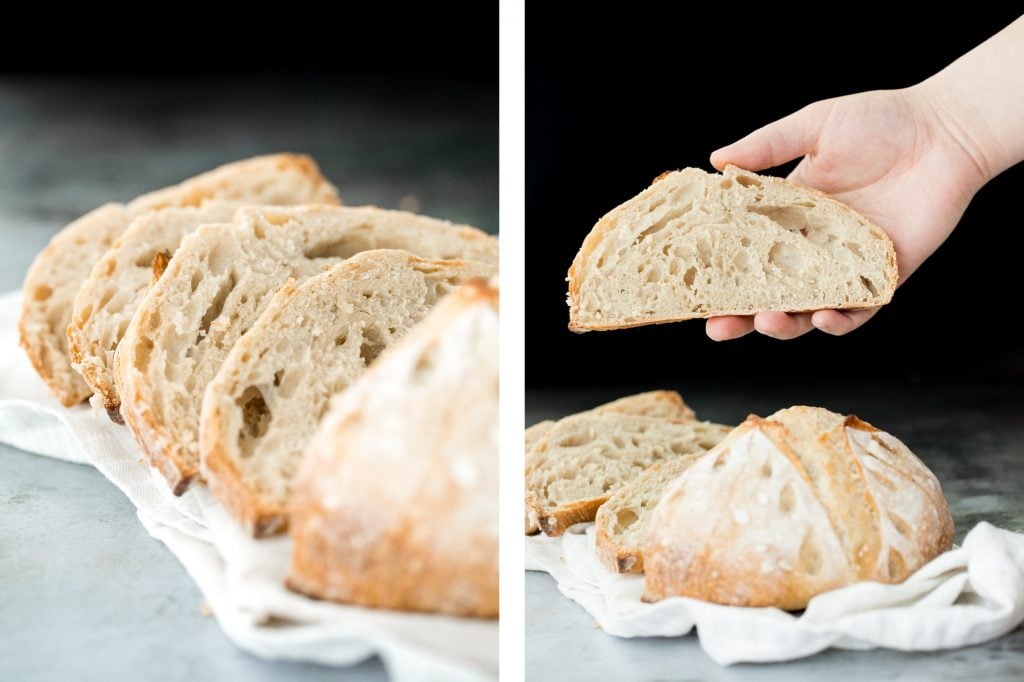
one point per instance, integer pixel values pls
(968, 595)
(241, 578)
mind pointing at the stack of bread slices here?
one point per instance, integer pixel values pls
(217, 319)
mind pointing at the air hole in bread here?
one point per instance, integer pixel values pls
(899, 524)
(41, 293)
(854, 249)
(786, 258)
(809, 555)
(897, 567)
(107, 295)
(869, 285)
(197, 278)
(748, 181)
(624, 519)
(790, 218)
(689, 276)
(278, 375)
(355, 241)
(372, 345)
(341, 339)
(663, 222)
(725, 184)
(575, 440)
(256, 418)
(787, 499)
(680, 448)
(86, 312)
(216, 305)
(143, 354)
(618, 441)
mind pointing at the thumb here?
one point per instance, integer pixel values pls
(776, 143)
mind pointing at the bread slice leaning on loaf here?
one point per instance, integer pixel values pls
(586, 458)
(698, 245)
(788, 507)
(656, 404)
(219, 281)
(108, 298)
(622, 522)
(312, 341)
(396, 503)
(60, 269)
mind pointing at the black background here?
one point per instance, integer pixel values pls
(599, 129)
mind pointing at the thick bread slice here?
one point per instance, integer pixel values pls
(396, 502)
(217, 284)
(657, 404)
(311, 342)
(532, 436)
(621, 523)
(696, 244)
(108, 298)
(59, 270)
(586, 458)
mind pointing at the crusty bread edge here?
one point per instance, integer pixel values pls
(555, 521)
(597, 233)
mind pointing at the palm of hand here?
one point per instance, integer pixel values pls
(886, 154)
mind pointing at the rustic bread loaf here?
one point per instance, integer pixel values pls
(108, 298)
(791, 506)
(621, 523)
(59, 270)
(396, 502)
(696, 244)
(586, 458)
(219, 281)
(657, 404)
(311, 342)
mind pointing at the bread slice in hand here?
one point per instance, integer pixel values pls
(657, 404)
(219, 281)
(621, 523)
(586, 458)
(60, 269)
(312, 341)
(396, 502)
(698, 245)
(108, 298)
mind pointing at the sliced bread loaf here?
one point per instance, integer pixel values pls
(657, 404)
(586, 458)
(311, 342)
(696, 244)
(108, 298)
(621, 523)
(60, 269)
(396, 502)
(219, 281)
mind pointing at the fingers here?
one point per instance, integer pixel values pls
(776, 143)
(783, 326)
(786, 326)
(729, 328)
(839, 322)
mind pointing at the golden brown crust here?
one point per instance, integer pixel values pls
(613, 557)
(554, 522)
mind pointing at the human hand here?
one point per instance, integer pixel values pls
(900, 157)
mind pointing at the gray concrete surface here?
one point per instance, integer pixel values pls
(971, 435)
(85, 593)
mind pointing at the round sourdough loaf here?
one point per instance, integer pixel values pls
(791, 506)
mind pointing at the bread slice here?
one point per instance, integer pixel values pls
(696, 244)
(60, 269)
(621, 523)
(396, 502)
(311, 342)
(656, 404)
(586, 458)
(108, 298)
(793, 505)
(215, 287)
